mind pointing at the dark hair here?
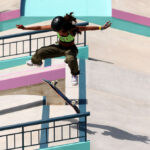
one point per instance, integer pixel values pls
(69, 24)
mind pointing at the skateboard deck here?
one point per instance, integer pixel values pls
(67, 100)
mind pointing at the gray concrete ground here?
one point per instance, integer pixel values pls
(119, 102)
(117, 92)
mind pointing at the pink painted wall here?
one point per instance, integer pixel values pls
(130, 17)
(10, 15)
(32, 76)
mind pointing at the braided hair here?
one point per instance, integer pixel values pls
(69, 24)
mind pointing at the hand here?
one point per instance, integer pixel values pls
(106, 25)
(20, 26)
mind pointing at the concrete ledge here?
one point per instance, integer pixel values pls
(120, 25)
(73, 146)
(31, 77)
(131, 17)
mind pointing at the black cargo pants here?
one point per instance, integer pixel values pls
(53, 51)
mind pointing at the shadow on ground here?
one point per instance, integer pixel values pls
(115, 133)
(120, 134)
(93, 59)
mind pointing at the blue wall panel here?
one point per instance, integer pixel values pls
(61, 7)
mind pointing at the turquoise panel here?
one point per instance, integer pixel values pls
(45, 115)
(82, 97)
(83, 52)
(13, 62)
(119, 24)
(73, 146)
(98, 8)
(61, 7)
(11, 24)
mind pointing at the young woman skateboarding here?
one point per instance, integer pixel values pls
(66, 31)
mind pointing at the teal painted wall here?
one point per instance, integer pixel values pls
(120, 25)
(11, 24)
(73, 146)
(61, 7)
(8, 63)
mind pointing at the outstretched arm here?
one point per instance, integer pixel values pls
(47, 27)
(105, 26)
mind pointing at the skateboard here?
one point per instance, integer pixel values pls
(52, 84)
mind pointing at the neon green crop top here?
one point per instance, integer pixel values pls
(68, 38)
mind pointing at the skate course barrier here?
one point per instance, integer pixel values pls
(28, 139)
(29, 82)
(131, 17)
(125, 10)
(31, 77)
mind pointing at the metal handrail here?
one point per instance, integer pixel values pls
(81, 125)
(44, 121)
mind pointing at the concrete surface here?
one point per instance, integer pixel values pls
(138, 7)
(119, 102)
(121, 48)
(8, 5)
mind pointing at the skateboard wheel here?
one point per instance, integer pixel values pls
(73, 102)
(54, 82)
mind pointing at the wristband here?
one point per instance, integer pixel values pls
(100, 28)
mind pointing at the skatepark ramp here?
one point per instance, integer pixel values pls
(31, 77)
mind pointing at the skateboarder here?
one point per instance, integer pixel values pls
(66, 31)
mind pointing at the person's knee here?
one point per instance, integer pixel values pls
(70, 59)
(75, 72)
(36, 61)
